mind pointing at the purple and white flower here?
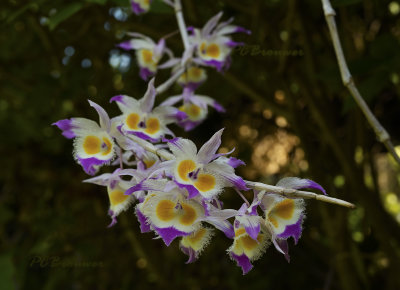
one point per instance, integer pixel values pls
(141, 119)
(148, 53)
(93, 144)
(213, 45)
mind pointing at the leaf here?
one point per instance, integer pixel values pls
(63, 14)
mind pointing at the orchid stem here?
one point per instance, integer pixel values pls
(243, 197)
(181, 23)
(288, 192)
(382, 135)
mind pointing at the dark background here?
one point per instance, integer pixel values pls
(287, 115)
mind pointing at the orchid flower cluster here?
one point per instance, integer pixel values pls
(175, 188)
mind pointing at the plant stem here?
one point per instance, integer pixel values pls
(181, 23)
(382, 135)
(255, 185)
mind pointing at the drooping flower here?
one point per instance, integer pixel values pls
(192, 78)
(194, 106)
(245, 249)
(193, 244)
(93, 145)
(284, 216)
(213, 45)
(140, 6)
(148, 53)
(140, 119)
(201, 172)
(116, 188)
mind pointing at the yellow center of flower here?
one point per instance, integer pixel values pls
(117, 197)
(197, 236)
(147, 56)
(165, 210)
(184, 168)
(213, 50)
(92, 145)
(203, 47)
(284, 209)
(239, 231)
(205, 182)
(108, 144)
(149, 163)
(248, 243)
(132, 121)
(195, 72)
(189, 215)
(152, 126)
(194, 111)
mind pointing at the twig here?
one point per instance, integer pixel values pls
(381, 133)
(181, 23)
(255, 185)
(243, 197)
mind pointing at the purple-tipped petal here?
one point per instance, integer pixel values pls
(234, 162)
(145, 73)
(240, 29)
(193, 192)
(314, 185)
(65, 126)
(136, 8)
(191, 253)
(242, 261)
(233, 44)
(144, 225)
(118, 98)
(113, 219)
(253, 230)
(126, 45)
(292, 231)
(89, 164)
(217, 106)
(143, 136)
(282, 246)
(169, 234)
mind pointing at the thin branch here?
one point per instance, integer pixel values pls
(181, 23)
(255, 185)
(381, 133)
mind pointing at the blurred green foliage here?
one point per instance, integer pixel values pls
(54, 55)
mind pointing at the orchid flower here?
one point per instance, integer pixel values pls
(169, 213)
(148, 53)
(201, 172)
(213, 46)
(194, 106)
(140, 6)
(141, 119)
(116, 188)
(245, 249)
(93, 145)
(193, 244)
(192, 78)
(284, 216)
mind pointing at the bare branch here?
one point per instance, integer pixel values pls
(382, 135)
